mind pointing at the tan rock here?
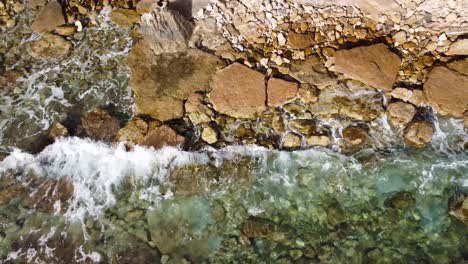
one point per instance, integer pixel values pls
(418, 98)
(373, 65)
(460, 66)
(57, 131)
(400, 114)
(49, 47)
(402, 94)
(196, 110)
(354, 136)
(459, 47)
(303, 126)
(209, 135)
(323, 141)
(447, 91)
(399, 37)
(162, 136)
(124, 17)
(133, 132)
(308, 94)
(238, 91)
(146, 6)
(99, 124)
(65, 30)
(48, 18)
(292, 141)
(419, 134)
(311, 71)
(280, 91)
(300, 41)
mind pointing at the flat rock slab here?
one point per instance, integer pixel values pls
(48, 18)
(373, 65)
(280, 91)
(238, 91)
(447, 91)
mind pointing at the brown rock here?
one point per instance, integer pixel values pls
(460, 66)
(162, 136)
(419, 134)
(133, 132)
(373, 65)
(48, 18)
(459, 47)
(10, 188)
(311, 71)
(124, 17)
(254, 228)
(49, 47)
(303, 126)
(280, 91)
(354, 136)
(238, 91)
(100, 125)
(400, 114)
(292, 141)
(447, 91)
(57, 131)
(300, 41)
(51, 191)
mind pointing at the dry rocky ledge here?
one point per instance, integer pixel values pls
(282, 74)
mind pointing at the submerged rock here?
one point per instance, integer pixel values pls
(373, 65)
(401, 201)
(99, 124)
(48, 18)
(162, 136)
(238, 91)
(256, 228)
(446, 90)
(419, 134)
(400, 114)
(355, 136)
(10, 188)
(49, 47)
(57, 131)
(458, 206)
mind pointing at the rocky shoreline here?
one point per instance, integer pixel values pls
(284, 75)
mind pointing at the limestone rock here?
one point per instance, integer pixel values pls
(419, 134)
(323, 141)
(206, 35)
(373, 65)
(280, 91)
(209, 135)
(100, 125)
(460, 66)
(311, 71)
(292, 141)
(57, 131)
(133, 132)
(238, 91)
(48, 18)
(402, 94)
(446, 91)
(124, 17)
(354, 136)
(165, 31)
(197, 112)
(146, 6)
(49, 47)
(459, 47)
(300, 41)
(400, 114)
(162, 136)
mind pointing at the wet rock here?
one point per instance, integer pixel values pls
(196, 110)
(133, 132)
(323, 141)
(311, 71)
(124, 17)
(126, 248)
(162, 136)
(57, 131)
(354, 136)
(400, 114)
(99, 124)
(209, 135)
(308, 94)
(50, 193)
(300, 41)
(49, 47)
(292, 141)
(277, 122)
(10, 188)
(238, 91)
(401, 201)
(280, 91)
(446, 91)
(419, 134)
(257, 228)
(458, 206)
(460, 66)
(373, 65)
(194, 179)
(303, 126)
(161, 83)
(48, 18)
(165, 31)
(459, 47)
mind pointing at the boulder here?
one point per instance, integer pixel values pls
(162, 136)
(373, 65)
(133, 132)
(315, 140)
(460, 66)
(446, 90)
(459, 47)
(209, 135)
(292, 141)
(49, 47)
(280, 91)
(354, 136)
(124, 17)
(99, 124)
(57, 131)
(400, 114)
(419, 134)
(48, 18)
(238, 91)
(311, 71)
